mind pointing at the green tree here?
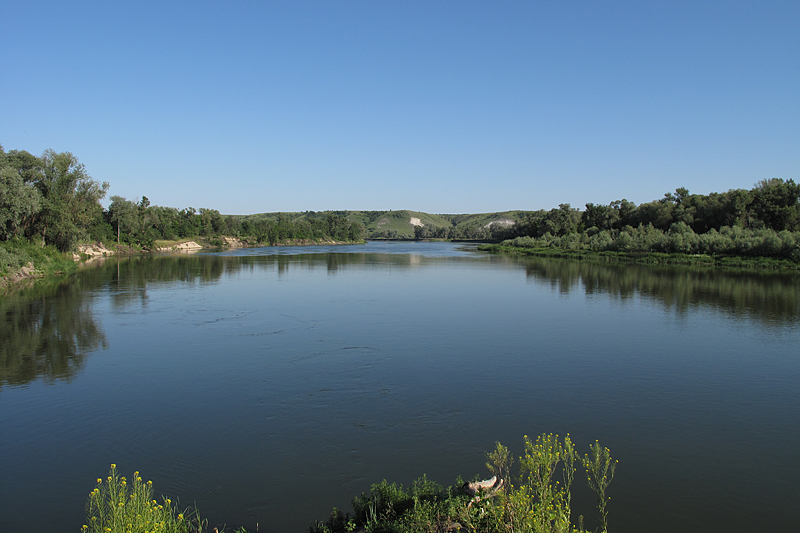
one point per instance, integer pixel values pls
(18, 200)
(562, 221)
(70, 200)
(602, 217)
(124, 214)
(189, 222)
(626, 213)
(27, 165)
(211, 222)
(776, 203)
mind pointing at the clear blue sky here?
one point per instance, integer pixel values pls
(436, 106)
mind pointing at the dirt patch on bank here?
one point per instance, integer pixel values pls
(188, 246)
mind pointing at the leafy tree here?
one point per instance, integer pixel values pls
(423, 232)
(626, 213)
(18, 200)
(211, 221)
(124, 214)
(70, 200)
(775, 203)
(602, 217)
(189, 222)
(562, 221)
(28, 166)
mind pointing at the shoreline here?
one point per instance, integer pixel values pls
(47, 267)
(649, 258)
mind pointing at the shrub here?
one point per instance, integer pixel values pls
(539, 501)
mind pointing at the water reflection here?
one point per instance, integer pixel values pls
(768, 297)
(46, 333)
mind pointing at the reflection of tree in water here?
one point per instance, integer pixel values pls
(47, 333)
(48, 330)
(333, 262)
(135, 273)
(129, 277)
(767, 296)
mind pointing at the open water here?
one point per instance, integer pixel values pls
(268, 385)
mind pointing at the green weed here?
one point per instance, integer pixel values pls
(116, 506)
(539, 500)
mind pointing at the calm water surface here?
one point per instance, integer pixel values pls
(269, 385)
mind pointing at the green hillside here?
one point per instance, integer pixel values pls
(402, 224)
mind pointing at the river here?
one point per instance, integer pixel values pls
(267, 385)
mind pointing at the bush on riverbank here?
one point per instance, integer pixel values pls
(731, 246)
(538, 500)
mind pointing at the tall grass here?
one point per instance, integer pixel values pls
(116, 506)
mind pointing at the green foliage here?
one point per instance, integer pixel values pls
(70, 200)
(116, 506)
(308, 227)
(772, 204)
(499, 462)
(18, 202)
(50, 198)
(600, 470)
(540, 500)
(678, 239)
(19, 252)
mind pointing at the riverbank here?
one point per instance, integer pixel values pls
(23, 262)
(647, 258)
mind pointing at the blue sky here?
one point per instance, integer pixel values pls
(436, 106)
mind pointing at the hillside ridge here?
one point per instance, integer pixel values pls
(407, 224)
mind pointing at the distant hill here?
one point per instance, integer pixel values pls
(403, 224)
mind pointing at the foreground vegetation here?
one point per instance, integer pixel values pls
(538, 500)
(116, 506)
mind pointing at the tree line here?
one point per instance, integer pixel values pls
(762, 221)
(772, 204)
(52, 200)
